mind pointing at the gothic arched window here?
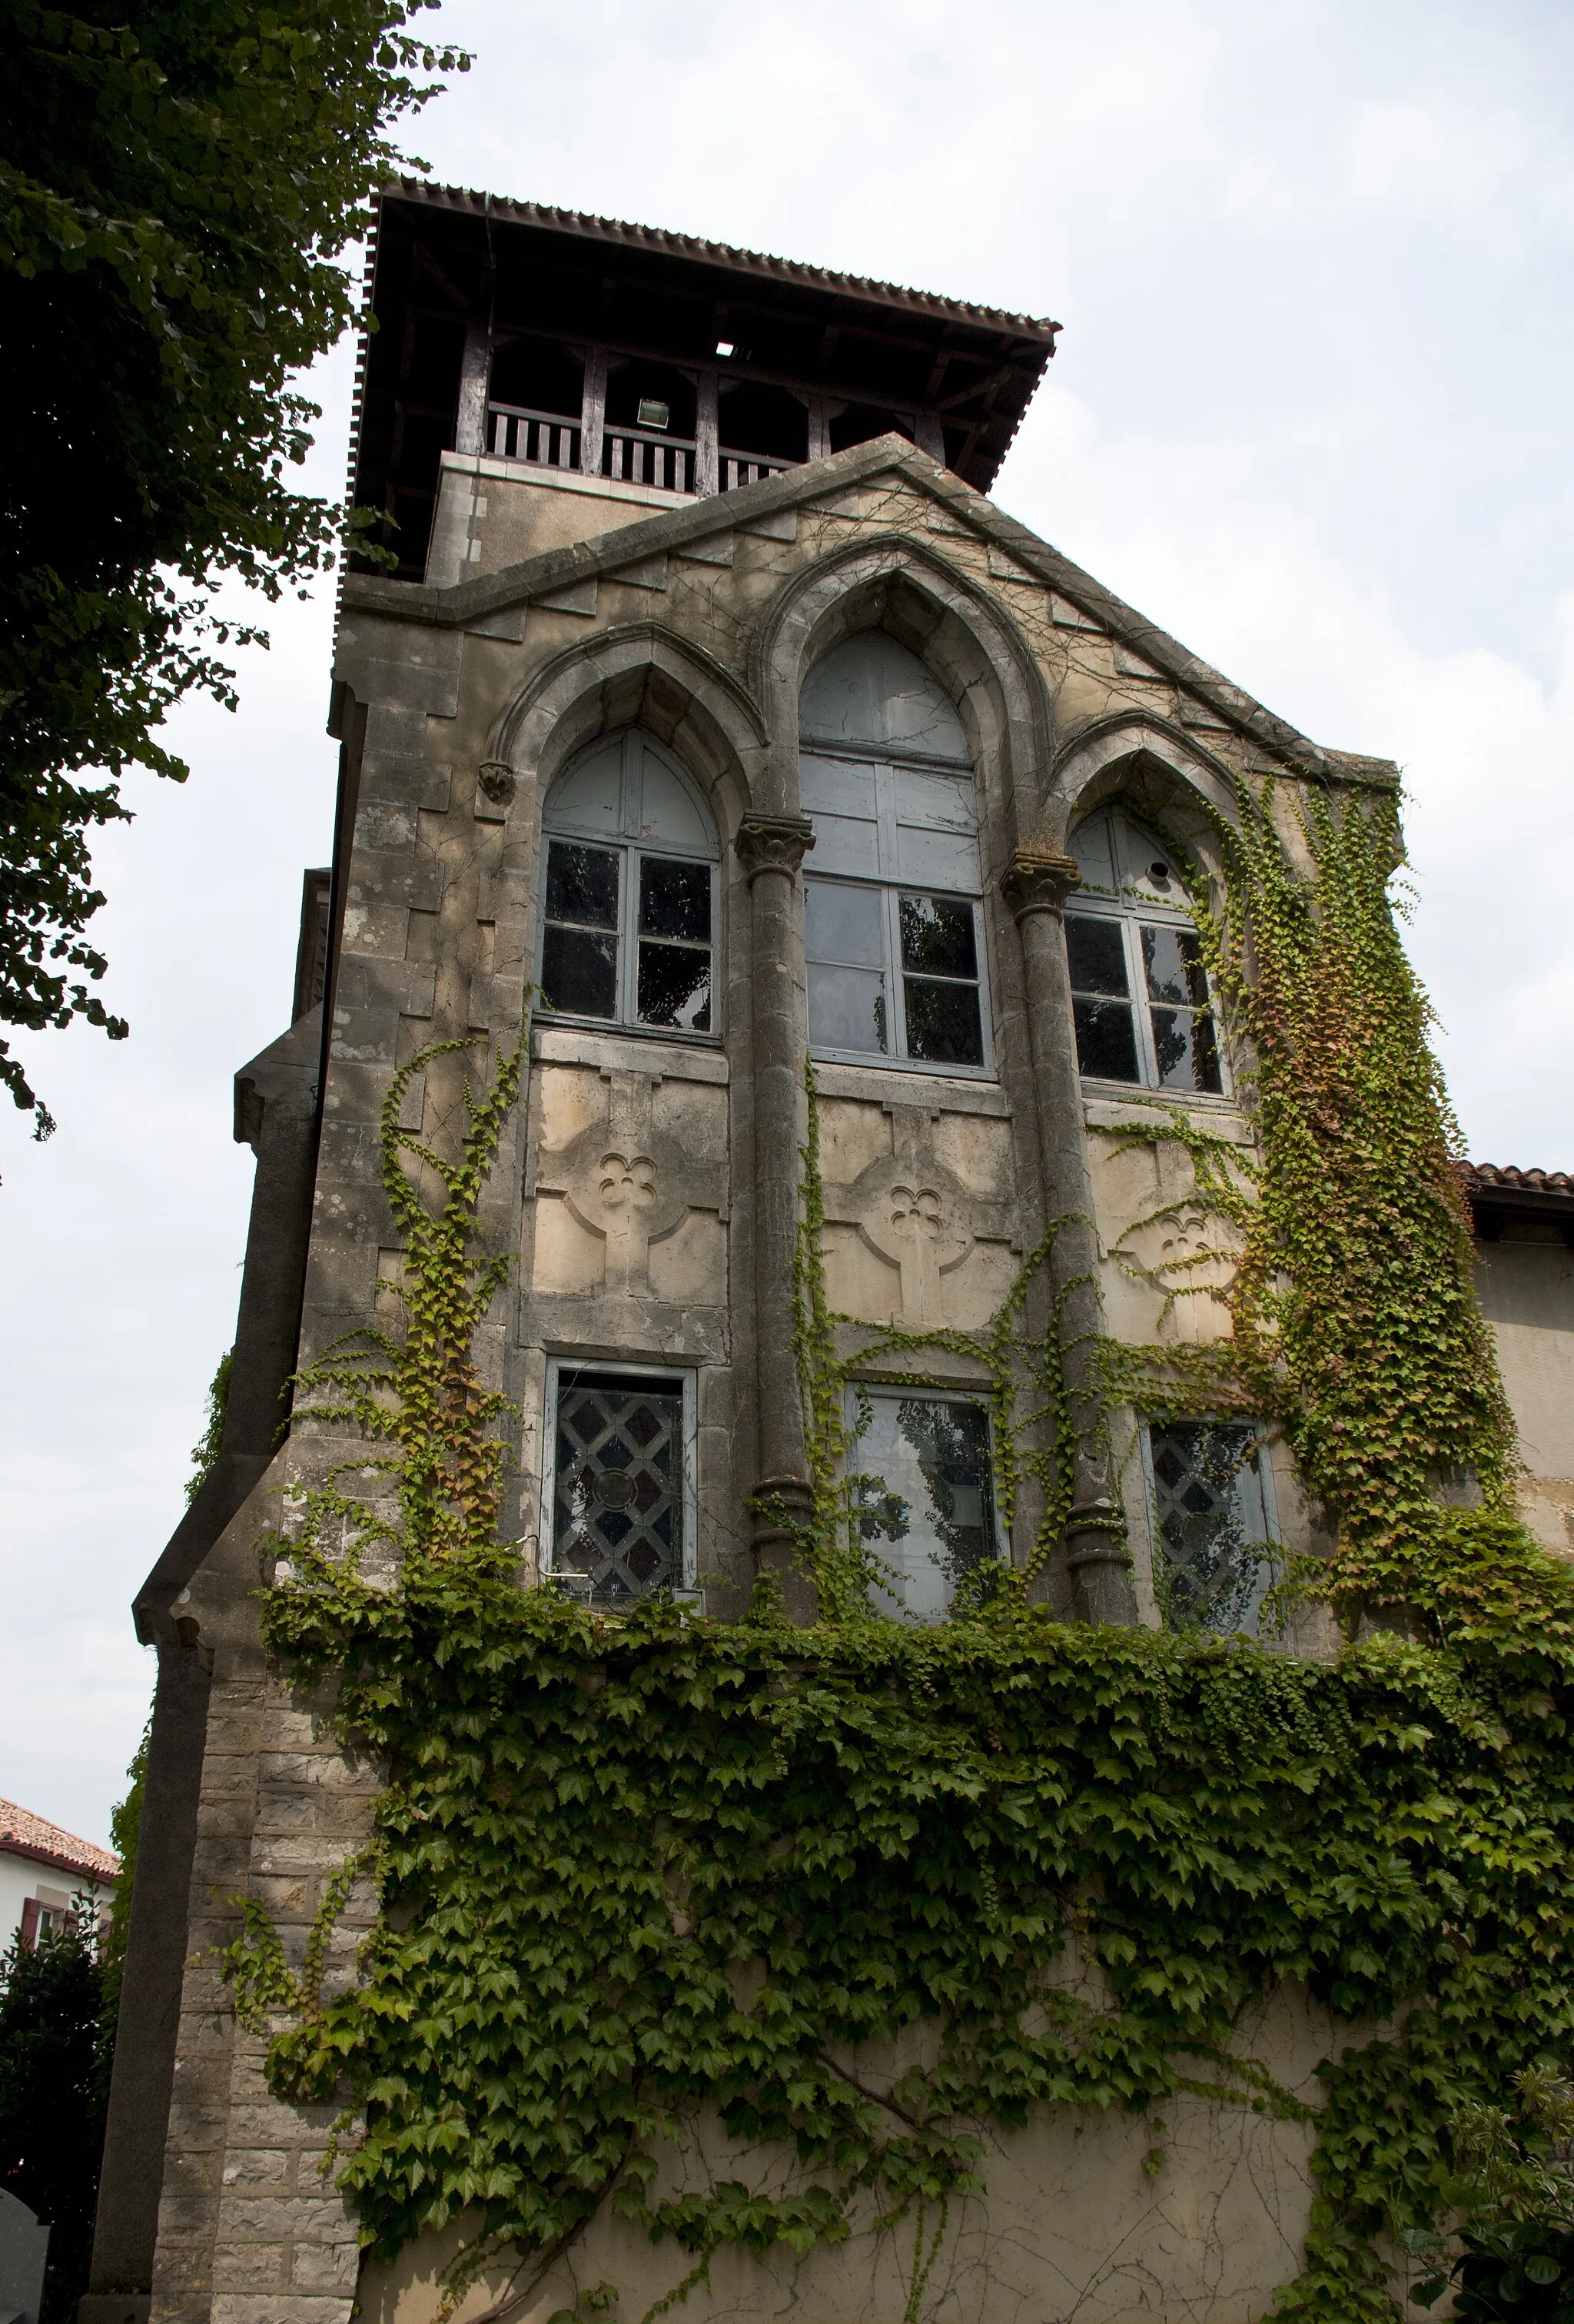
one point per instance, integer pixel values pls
(1139, 988)
(630, 901)
(893, 926)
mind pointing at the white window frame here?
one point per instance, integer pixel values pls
(898, 1390)
(629, 849)
(685, 1379)
(1129, 908)
(891, 889)
(1265, 1470)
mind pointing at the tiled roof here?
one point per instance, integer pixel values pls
(1487, 1176)
(658, 240)
(24, 1834)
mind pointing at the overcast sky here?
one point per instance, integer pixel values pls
(1311, 412)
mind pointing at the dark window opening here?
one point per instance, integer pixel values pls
(769, 421)
(534, 376)
(860, 423)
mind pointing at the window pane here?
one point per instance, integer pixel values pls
(675, 986)
(927, 1515)
(618, 1504)
(579, 973)
(666, 811)
(839, 798)
(1184, 1044)
(675, 899)
(1106, 1040)
(847, 1008)
(582, 884)
(1172, 960)
(1212, 1565)
(937, 936)
(1096, 950)
(844, 924)
(942, 1021)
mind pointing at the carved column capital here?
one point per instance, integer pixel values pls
(1037, 879)
(773, 843)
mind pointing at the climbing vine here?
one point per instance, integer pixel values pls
(642, 1875)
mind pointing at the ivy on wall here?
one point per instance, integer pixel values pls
(633, 1868)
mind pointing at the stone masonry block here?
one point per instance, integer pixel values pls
(261, 2217)
(405, 781)
(249, 2266)
(257, 2166)
(280, 2307)
(325, 2267)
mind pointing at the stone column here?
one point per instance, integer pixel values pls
(770, 848)
(1035, 885)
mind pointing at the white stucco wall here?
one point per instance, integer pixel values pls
(20, 1878)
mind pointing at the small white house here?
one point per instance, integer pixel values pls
(42, 1871)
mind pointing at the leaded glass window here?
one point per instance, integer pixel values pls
(617, 1501)
(893, 915)
(1212, 1559)
(922, 1491)
(1139, 990)
(629, 902)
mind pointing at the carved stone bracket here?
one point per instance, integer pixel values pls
(1037, 879)
(773, 843)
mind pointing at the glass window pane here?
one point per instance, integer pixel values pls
(935, 802)
(582, 884)
(590, 799)
(675, 986)
(844, 924)
(1172, 960)
(1211, 1562)
(1096, 950)
(943, 1024)
(618, 1504)
(938, 859)
(668, 809)
(847, 1008)
(937, 830)
(675, 899)
(1106, 1040)
(1147, 866)
(579, 971)
(1091, 846)
(839, 798)
(937, 936)
(923, 1482)
(1184, 1044)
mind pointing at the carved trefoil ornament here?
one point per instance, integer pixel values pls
(630, 1184)
(919, 1219)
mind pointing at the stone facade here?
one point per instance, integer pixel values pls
(647, 1193)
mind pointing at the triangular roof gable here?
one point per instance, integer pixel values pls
(1082, 601)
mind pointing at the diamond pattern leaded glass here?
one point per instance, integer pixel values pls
(618, 1500)
(1212, 1563)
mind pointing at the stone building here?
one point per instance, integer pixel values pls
(713, 699)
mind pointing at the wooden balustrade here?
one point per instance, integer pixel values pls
(738, 468)
(635, 455)
(545, 439)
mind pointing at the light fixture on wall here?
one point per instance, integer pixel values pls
(653, 412)
(725, 347)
